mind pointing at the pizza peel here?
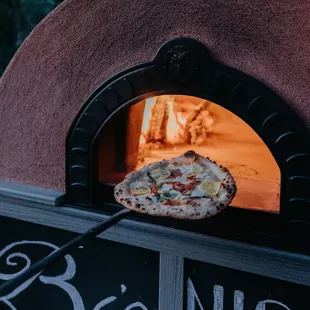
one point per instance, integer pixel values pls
(10, 285)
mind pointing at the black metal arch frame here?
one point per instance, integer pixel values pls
(184, 66)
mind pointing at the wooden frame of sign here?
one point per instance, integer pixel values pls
(182, 255)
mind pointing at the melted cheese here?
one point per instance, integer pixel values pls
(207, 175)
(210, 188)
(138, 188)
(182, 180)
(188, 170)
(160, 174)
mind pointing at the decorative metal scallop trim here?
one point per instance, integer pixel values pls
(302, 200)
(254, 105)
(283, 136)
(300, 177)
(79, 167)
(84, 132)
(270, 118)
(296, 157)
(79, 149)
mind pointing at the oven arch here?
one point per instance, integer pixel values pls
(184, 66)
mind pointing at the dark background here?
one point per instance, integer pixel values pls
(17, 19)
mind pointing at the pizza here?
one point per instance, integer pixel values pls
(186, 187)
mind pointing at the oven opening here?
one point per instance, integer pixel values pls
(166, 126)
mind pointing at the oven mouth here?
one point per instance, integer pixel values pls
(184, 67)
(167, 126)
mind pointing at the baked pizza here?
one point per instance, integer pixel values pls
(187, 187)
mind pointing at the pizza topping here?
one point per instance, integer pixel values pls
(193, 170)
(176, 180)
(156, 198)
(165, 187)
(171, 195)
(197, 193)
(172, 203)
(210, 188)
(154, 189)
(178, 186)
(139, 188)
(190, 187)
(183, 168)
(175, 173)
(159, 174)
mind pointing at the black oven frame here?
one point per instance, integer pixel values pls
(184, 66)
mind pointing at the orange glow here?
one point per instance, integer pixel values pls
(146, 119)
(173, 126)
(212, 131)
(167, 126)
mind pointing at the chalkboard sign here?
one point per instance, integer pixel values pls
(100, 275)
(212, 287)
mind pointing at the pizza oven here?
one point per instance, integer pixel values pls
(101, 88)
(185, 99)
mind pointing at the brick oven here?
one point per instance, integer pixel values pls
(184, 99)
(102, 88)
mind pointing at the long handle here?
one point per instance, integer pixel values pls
(8, 286)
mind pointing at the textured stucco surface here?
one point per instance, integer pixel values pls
(82, 43)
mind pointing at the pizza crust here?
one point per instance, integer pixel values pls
(205, 208)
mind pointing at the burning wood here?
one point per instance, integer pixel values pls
(157, 118)
(170, 120)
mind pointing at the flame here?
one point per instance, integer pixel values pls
(181, 119)
(172, 134)
(178, 115)
(146, 119)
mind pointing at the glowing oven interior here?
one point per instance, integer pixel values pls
(166, 126)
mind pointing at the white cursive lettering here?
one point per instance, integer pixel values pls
(218, 303)
(238, 300)
(59, 281)
(192, 296)
(105, 302)
(261, 305)
(218, 294)
(135, 305)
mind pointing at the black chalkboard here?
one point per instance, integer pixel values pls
(101, 275)
(218, 288)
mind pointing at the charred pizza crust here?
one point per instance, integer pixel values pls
(191, 208)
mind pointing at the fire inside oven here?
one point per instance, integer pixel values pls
(166, 126)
